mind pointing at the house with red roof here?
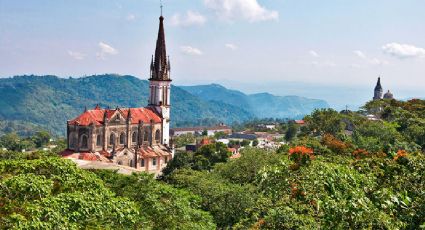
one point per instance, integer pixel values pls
(135, 137)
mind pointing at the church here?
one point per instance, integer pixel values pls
(135, 137)
(377, 93)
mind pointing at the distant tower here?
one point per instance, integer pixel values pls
(378, 90)
(160, 82)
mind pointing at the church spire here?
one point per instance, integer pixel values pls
(160, 69)
(378, 84)
(378, 90)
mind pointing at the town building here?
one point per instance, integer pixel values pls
(197, 131)
(135, 137)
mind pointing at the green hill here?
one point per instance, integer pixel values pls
(262, 105)
(48, 101)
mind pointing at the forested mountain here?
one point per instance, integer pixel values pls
(48, 101)
(262, 105)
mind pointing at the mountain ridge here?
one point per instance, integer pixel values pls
(290, 106)
(49, 101)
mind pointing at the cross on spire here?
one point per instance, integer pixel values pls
(161, 6)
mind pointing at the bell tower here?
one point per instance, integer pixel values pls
(160, 82)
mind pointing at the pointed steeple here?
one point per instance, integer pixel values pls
(377, 95)
(378, 84)
(159, 69)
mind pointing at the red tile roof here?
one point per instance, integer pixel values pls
(300, 122)
(87, 156)
(150, 152)
(235, 156)
(204, 141)
(95, 116)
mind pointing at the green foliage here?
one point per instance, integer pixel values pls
(255, 142)
(205, 132)
(324, 121)
(244, 170)
(13, 142)
(52, 193)
(160, 206)
(228, 203)
(291, 132)
(183, 140)
(219, 135)
(41, 138)
(203, 159)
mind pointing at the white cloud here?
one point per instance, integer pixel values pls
(324, 64)
(249, 10)
(191, 18)
(372, 61)
(359, 54)
(231, 46)
(131, 17)
(105, 50)
(191, 50)
(76, 55)
(313, 53)
(403, 50)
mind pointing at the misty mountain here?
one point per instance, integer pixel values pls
(262, 105)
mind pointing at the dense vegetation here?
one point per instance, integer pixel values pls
(339, 171)
(262, 105)
(32, 102)
(14, 142)
(41, 191)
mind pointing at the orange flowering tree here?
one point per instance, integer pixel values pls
(334, 143)
(401, 156)
(360, 153)
(301, 154)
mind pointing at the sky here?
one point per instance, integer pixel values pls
(332, 49)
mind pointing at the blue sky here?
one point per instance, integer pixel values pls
(332, 49)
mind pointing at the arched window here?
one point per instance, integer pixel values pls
(131, 163)
(120, 162)
(157, 135)
(84, 142)
(142, 163)
(154, 161)
(99, 140)
(145, 136)
(122, 138)
(134, 137)
(112, 139)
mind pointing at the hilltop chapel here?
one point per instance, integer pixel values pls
(135, 137)
(377, 93)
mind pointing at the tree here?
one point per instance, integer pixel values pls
(41, 138)
(160, 205)
(291, 132)
(324, 121)
(228, 203)
(11, 142)
(184, 140)
(52, 193)
(205, 132)
(245, 143)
